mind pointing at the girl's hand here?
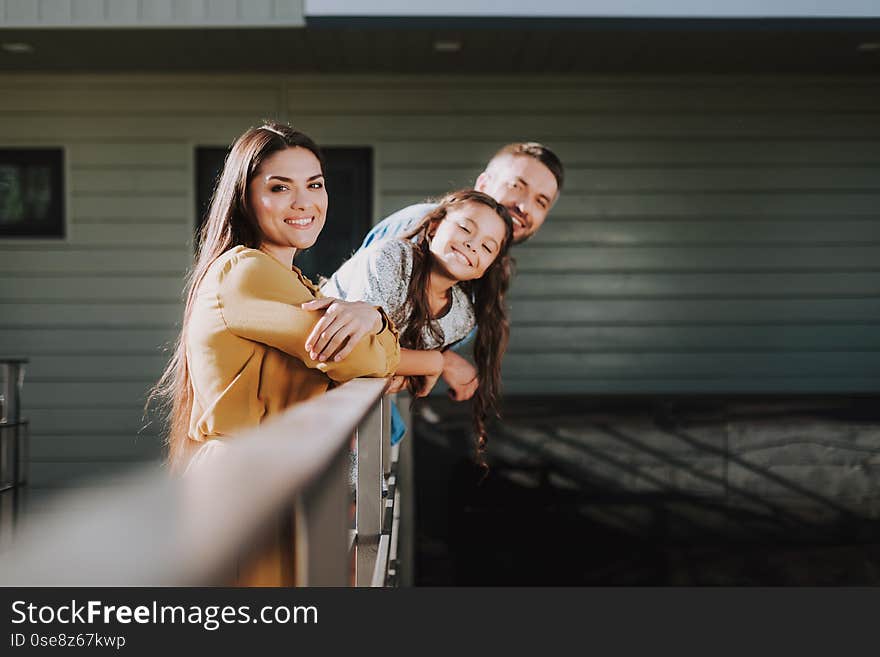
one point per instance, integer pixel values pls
(397, 384)
(343, 325)
(430, 382)
(460, 375)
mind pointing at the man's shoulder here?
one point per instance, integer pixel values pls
(413, 212)
(398, 223)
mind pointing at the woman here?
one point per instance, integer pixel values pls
(448, 274)
(241, 355)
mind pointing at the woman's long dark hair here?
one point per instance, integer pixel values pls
(487, 294)
(229, 223)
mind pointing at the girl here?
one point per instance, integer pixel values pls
(241, 355)
(449, 273)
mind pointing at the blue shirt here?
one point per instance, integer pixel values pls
(398, 223)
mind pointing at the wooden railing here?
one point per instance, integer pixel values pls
(271, 506)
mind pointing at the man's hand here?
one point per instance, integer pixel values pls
(460, 376)
(343, 325)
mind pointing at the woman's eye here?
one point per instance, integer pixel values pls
(488, 250)
(464, 228)
(279, 188)
(316, 185)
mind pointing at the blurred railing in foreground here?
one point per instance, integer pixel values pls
(271, 507)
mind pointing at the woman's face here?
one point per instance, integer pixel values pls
(468, 240)
(288, 199)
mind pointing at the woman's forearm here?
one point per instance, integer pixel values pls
(414, 362)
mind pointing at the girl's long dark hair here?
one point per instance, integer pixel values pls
(487, 294)
(229, 223)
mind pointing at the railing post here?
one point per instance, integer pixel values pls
(406, 486)
(385, 403)
(11, 380)
(369, 493)
(320, 529)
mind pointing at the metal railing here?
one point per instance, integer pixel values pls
(14, 442)
(273, 506)
(13, 428)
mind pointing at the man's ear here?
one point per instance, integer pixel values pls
(482, 181)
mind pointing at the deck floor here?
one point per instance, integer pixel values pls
(652, 492)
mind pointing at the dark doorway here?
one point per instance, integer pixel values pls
(349, 175)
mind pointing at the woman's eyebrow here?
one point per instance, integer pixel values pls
(288, 180)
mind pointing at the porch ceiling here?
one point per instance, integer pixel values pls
(487, 47)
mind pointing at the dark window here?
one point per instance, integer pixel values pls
(31, 192)
(349, 177)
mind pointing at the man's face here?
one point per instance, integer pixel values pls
(525, 187)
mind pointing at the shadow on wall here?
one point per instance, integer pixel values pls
(736, 492)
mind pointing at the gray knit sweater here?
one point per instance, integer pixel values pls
(380, 275)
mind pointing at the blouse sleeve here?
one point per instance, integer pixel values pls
(260, 302)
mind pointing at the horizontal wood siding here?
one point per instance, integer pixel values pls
(715, 234)
(96, 312)
(150, 13)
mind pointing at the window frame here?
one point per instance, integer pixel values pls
(56, 158)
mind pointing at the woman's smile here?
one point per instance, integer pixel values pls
(300, 223)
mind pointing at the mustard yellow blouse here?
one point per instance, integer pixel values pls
(245, 345)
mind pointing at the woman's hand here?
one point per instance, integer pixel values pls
(343, 325)
(460, 376)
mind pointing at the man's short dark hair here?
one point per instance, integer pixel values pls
(541, 153)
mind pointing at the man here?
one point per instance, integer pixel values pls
(524, 177)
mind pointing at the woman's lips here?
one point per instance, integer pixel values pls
(301, 222)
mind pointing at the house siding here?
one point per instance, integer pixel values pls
(716, 234)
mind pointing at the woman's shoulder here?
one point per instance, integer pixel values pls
(235, 257)
(242, 257)
(241, 266)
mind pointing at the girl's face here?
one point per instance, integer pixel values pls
(288, 199)
(468, 240)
